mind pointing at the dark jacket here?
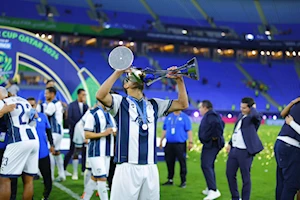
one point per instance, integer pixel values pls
(211, 130)
(249, 127)
(74, 114)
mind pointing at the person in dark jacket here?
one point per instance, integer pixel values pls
(242, 148)
(211, 136)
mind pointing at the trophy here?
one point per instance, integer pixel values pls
(121, 58)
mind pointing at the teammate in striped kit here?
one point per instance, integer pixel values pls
(136, 175)
(22, 152)
(54, 110)
(99, 128)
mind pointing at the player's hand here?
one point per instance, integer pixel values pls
(8, 108)
(86, 141)
(160, 145)
(190, 146)
(108, 131)
(228, 147)
(115, 130)
(289, 119)
(173, 74)
(295, 101)
(52, 150)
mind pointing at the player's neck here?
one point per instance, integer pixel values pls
(177, 113)
(135, 93)
(50, 100)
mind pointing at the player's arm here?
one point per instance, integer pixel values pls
(4, 108)
(290, 121)
(103, 94)
(182, 102)
(287, 109)
(93, 135)
(50, 110)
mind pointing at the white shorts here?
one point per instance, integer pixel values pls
(100, 166)
(20, 157)
(135, 182)
(78, 135)
(57, 138)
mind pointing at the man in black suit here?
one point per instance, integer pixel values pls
(211, 136)
(76, 110)
(242, 147)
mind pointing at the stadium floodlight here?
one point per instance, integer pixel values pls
(43, 36)
(298, 53)
(273, 53)
(249, 37)
(262, 53)
(131, 44)
(274, 117)
(219, 51)
(49, 37)
(196, 114)
(121, 42)
(294, 53)
(184, 32)
(267, 32)
(287, 53)
(223, 34)
(229, 116)
(253, 52)
(37, 35)
(268, 53)
(265, 117)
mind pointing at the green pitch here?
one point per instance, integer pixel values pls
(263, 173)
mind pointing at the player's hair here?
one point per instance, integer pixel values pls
(3, 91)
(49, 81)
(30, 99)
(249, 101)
(9, 94)
(80, 90)
(51, 90)
(207, 104)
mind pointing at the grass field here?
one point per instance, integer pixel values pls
(263, 173)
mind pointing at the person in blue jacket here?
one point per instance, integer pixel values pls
(211, 136)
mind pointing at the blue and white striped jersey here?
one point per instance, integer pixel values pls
(54, 111)
(18, 120)
(135, 145)
(98, 121)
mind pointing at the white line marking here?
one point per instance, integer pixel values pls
(67, 190)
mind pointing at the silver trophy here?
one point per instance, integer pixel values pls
(121, 58)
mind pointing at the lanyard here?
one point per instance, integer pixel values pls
(172, 121)
(143, 114)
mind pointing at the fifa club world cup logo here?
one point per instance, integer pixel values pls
(5, 67)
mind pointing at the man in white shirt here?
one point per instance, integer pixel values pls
(242, 147)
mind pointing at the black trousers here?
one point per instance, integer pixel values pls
(14, 181)
(111, 173)
(175, 151)
(44, 166)
(72, 151)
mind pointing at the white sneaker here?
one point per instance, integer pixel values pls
(212, 195)
(75, 177)
(67, 173)
(205, 192)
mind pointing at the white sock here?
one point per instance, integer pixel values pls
(60, 166)
(75, 166)
(52, 164)
(87, 177)
(89, 189)
(101, 187)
